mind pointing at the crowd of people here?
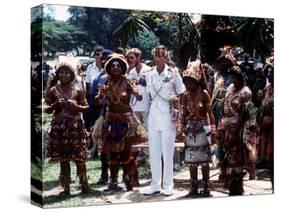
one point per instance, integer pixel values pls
(223, 110)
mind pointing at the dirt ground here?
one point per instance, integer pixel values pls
(261, 185)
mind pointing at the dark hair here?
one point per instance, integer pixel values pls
(98, 48)
(119, 50)
(237, 72)
(67, 68)
(186, 79)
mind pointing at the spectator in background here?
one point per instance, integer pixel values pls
(96, 110)
(92, 72)
(119, 50)
(138, 75)
(258, 85)
(97, 82)
(80, 78)
(46, 68)
(267, 122)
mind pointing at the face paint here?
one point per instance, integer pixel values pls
(115, 64)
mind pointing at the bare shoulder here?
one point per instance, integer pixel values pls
(206, 95)
(52, 91)
(79, 91)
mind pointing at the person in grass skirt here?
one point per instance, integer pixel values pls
(121, 127)
(231, 130)
(198, 125)
(267, 120)
(68, 138)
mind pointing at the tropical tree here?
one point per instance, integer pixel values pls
(174, 30)
(145, 41)
(129, 29)
(98, 23)
(62, 36)
(36, 39)
(256, 34)
(216, 31)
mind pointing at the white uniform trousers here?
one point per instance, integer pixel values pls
(161, 143)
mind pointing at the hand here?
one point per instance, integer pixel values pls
(179, 134)
(213, 138)
(103, 91)
(213, 133)
(73, 105)
(59, 104)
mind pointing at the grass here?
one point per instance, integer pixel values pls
(51, 186)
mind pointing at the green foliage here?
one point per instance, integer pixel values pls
(88, 27)
(174, 30)
(129, 29)
(250, 109)
(36, 39)
(256, 33)
(61, 36)
(36, 171)
(98, 23)
(78, 16)
(51, 172)
(36, 14)
(145, 41)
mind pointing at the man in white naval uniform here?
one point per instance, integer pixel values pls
(162, 82)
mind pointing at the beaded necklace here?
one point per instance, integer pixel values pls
(191, 105)
(115, 98)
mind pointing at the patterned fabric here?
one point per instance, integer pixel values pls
(197, 149)
(196, 127)
(233, 144)
(121, 127)
(68, 138)
(193, 70)
(122, 130)
(266, 124)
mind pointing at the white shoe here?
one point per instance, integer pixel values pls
(168, 193)
(151, 192)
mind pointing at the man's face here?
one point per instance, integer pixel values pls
(159, 60)
(132, 59)
(98, 55)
